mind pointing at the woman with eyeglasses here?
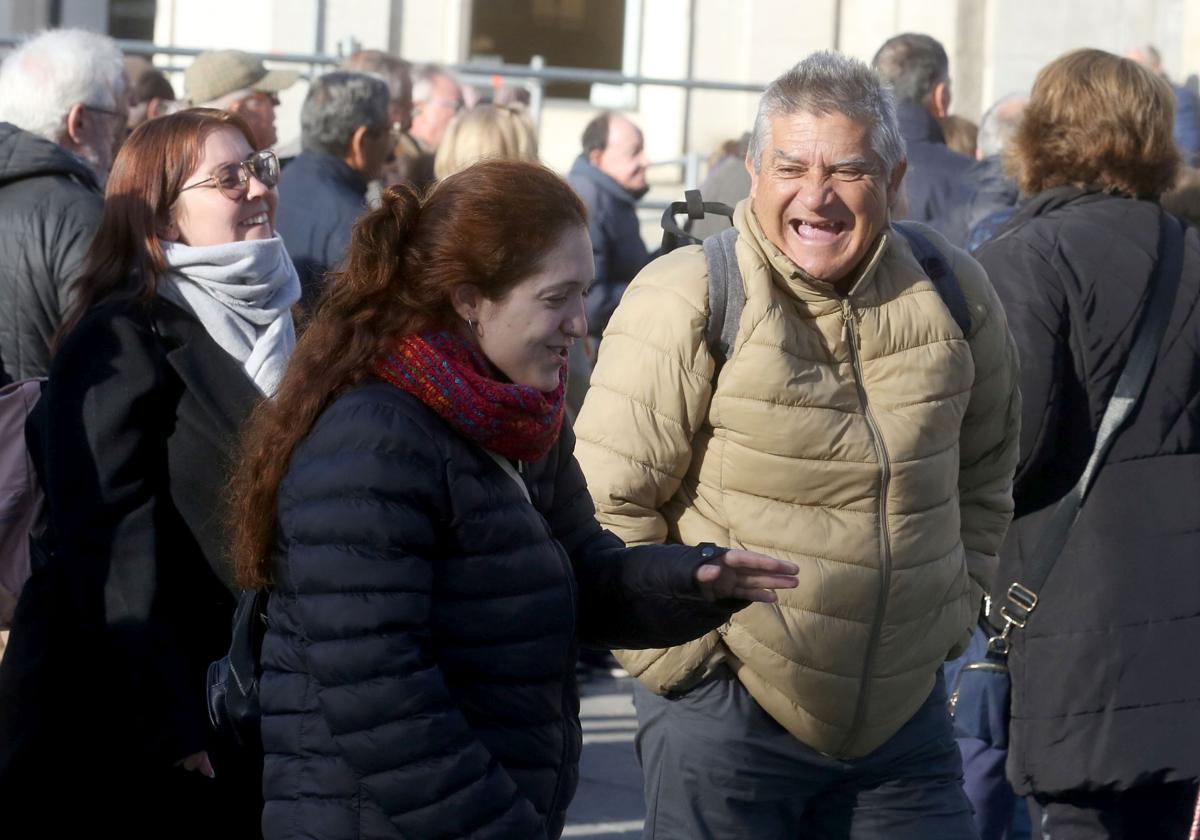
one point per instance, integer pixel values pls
(181, 324)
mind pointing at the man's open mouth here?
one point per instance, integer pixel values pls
(816, 230)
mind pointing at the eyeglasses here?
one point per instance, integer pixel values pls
(108, 111)
(232, 179)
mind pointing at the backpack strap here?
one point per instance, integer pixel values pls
(938, 271)
(696, 209)
(726, 294)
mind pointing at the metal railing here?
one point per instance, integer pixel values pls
(533, 76)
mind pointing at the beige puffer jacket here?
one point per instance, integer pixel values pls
(861, 438)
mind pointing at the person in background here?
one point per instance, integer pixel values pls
(854, 427)
(728, 182)
(411, 497)
(1105, 695)
(397, 74)
(1183, 199)
(181, 324)
(936, 186)
(237, 82)
(150, 94)
(960, 133)
(346, 139)
(994, 195)
(437, 98)
(485, 132)
(610, 177)
(1187, 105)
(63, 110)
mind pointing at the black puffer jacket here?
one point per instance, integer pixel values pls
(1105, 677)
(419, 673)
(50, 206)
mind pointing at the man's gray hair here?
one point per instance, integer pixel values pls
(395, 72)
(831, 83)
(912, 64)
(423, 80)
(336, 105)
(43, 78)
(1000, 123)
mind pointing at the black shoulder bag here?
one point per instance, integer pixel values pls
(233, 708)
(979, 701)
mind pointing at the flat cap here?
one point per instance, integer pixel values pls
(218, 72)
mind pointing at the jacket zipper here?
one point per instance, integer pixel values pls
(885, 544)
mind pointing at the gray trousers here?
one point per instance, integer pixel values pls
(716, 766)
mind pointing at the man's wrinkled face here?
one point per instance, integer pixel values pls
(821, 194)
(623, 158)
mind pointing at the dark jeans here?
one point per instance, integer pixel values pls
(717, 766)
(1153, 812)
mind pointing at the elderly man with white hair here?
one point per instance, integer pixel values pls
(63, 110)
(858, 418)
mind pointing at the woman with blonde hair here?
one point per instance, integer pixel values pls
(1105, 692)
(486, 132)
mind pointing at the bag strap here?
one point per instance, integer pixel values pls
(726, 294)
(695, 207)
(939, 273)
(1022, 598)
(510, 471)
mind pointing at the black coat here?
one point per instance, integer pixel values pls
(112, 639)
(320, 198)
(419, 670)
(1105, 677)
(937, 186)
(50, 206)
(617, 245)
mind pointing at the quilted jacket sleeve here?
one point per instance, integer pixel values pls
(990, 436)
(649, 394)
(630, 598)
(362, 508)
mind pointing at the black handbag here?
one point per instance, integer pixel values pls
(979, 699)
(233, 708)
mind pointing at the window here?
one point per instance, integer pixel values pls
(132, 19)
(567, 33)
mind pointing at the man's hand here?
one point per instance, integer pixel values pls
(746, 575)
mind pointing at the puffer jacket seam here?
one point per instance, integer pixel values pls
(691, 304)
(665, 353)
(651, 467)
(656, 412)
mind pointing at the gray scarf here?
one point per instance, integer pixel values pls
(242, 294)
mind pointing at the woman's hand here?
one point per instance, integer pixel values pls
(198, 761)
(746, 575)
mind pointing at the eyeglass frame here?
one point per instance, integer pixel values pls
(245, 173)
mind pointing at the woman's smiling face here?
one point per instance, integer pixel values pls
(206, 216)
(528, 333)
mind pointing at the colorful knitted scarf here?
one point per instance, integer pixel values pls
(451, 376)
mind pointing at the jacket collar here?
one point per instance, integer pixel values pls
(328, 168)
(25, 155)
(791, 276)
(917, 125)
(216, 382)
(582, 168)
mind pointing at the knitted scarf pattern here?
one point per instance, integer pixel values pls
(452, 377)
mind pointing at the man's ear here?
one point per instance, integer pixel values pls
(356, 149)
(466, 298)
(753, 175)
(896, 180)
(76, 127)
(939, 100)
(594, 157)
